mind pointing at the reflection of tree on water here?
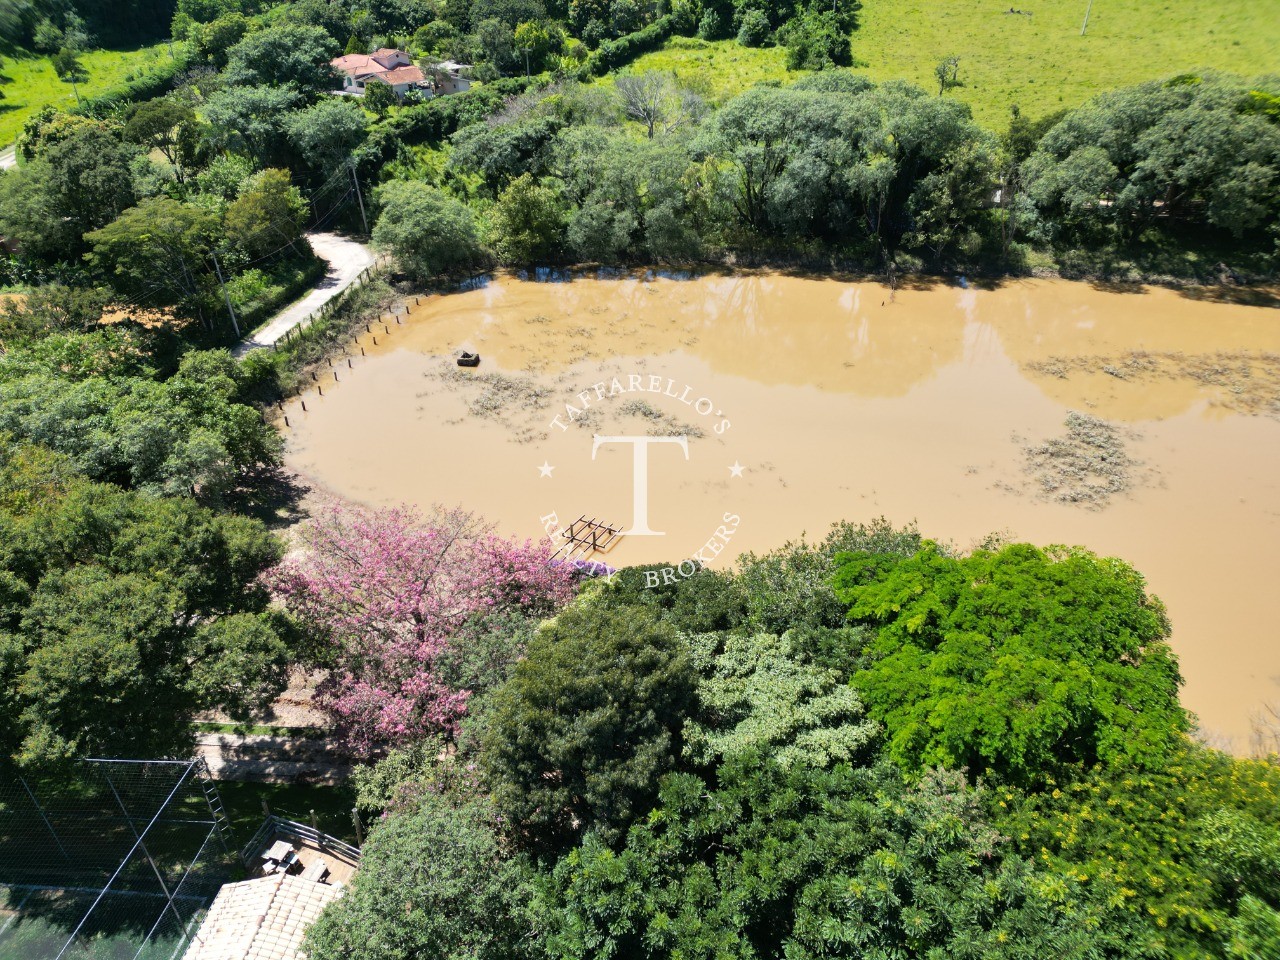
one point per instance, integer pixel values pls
(846, 337)
(769, 328)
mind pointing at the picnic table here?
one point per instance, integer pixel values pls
(318, 871)
(279, 856)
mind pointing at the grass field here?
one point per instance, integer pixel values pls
(1040, 62)
(293, 801)
(719, 69)
(29, 83)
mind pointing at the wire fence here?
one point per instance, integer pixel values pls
(117, 861)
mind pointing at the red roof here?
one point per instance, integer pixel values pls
(375, 64)
(402, 75)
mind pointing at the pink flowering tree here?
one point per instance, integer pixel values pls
(388, 591)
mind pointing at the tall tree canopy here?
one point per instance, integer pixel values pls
(390, 593)
(1013, 661)
(92, 398)
(124, 615)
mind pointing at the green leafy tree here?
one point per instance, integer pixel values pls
(526, 225)
(292, 55)
(32, 214)
(429, 233)
(160, 243)
(48, 126)
(501, 153)
(252, 121)
(224, 177)
(591, 718)
(1188, 849)
(126, 615)
(805, 862)
(435, 39)
(1188, 149)
(791, 586)
(170, 126)
(88, 172)
(51, 308)
(380, 98)
(468, 900)
(1015, 661)
(213, 41)
(709, 601)
(268, 216)
(761, 696)
(538, 41)
(92, 398)
(755, 30)
(70, 69)
(326, 133)
(816, 41)
(842, 160)
(80, 180)
(496, 44)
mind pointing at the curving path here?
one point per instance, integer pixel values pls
(346, 259)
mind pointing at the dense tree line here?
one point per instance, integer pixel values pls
(878, 174)
(123, 615)
(45, 23)
(741, 765)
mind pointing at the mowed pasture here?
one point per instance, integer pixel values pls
(1034, 58)
(1038, 60)
(29, 82)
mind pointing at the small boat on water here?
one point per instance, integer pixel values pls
(466, 359)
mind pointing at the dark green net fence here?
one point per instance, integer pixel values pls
(117, 860)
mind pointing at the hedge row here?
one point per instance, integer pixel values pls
(305, 276)
(613, 54)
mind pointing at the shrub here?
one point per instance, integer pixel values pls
(755, 30)
(430, 233)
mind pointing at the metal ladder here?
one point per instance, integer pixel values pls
(221, 824)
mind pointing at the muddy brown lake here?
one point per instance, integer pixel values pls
(1144, 425)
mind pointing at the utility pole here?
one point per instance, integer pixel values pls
(225, 296)
(1087, 10)
(359, 198)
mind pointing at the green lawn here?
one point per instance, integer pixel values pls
(1042, 63)
(1039, 62)
(719, 69)
(29, 83)
(293, 801)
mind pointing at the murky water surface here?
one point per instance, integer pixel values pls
(805, 401)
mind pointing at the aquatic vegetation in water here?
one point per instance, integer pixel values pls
(1087, 466)
(661, 424)
(1246, 382)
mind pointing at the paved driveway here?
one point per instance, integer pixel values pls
(346, 259)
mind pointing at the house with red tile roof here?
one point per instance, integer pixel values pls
(397, 69)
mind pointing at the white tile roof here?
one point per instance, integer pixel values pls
(261, 919)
